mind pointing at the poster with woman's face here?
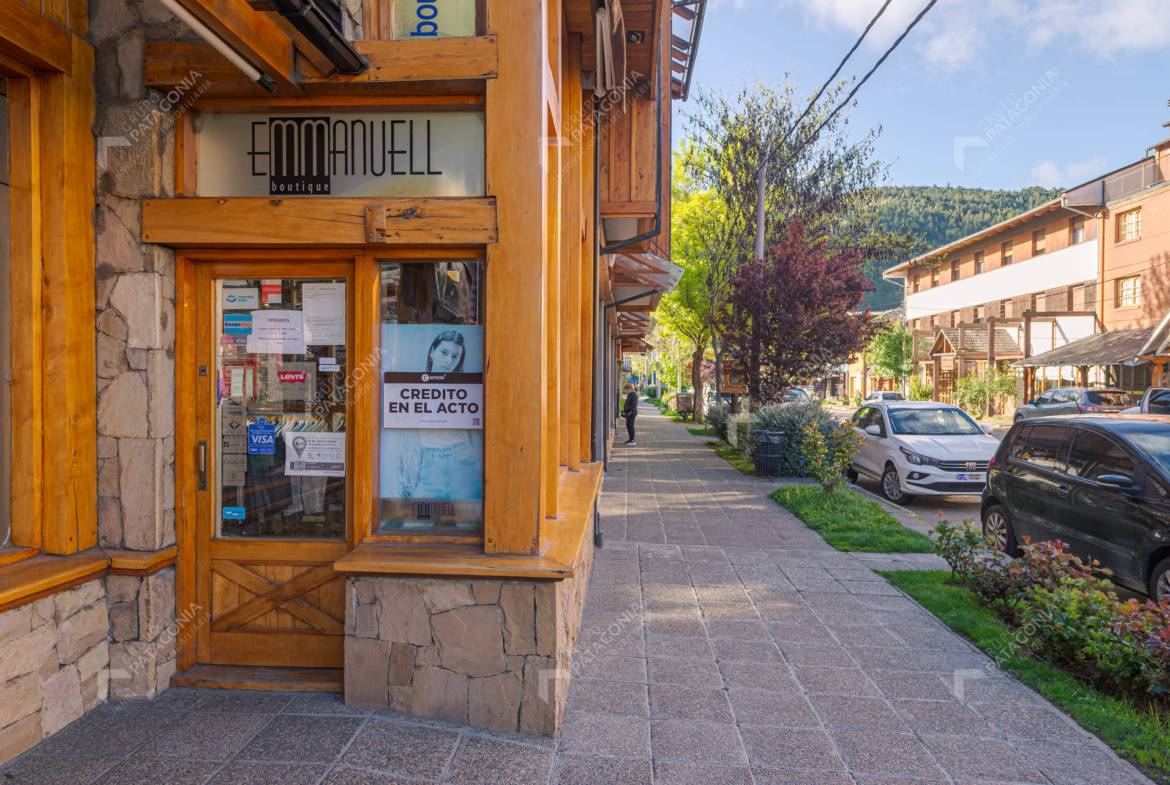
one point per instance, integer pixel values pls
(432, 412)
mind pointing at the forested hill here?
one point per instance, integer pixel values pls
(937, 215)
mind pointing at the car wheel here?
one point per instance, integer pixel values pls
(997, 527)
(851, 475)
(892, 487)
(1160, 582)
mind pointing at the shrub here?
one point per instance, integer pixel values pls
(827, 454)
(740, 434)
(718, 417)
(791, 420)
(959, 546)
(920, 390)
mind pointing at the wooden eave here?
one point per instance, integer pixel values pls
(402, 67)
(33, 38)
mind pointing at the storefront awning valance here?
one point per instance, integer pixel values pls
(1114, 347)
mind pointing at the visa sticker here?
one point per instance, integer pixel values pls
(262, 438)
(234, 513)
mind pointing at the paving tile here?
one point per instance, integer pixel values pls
(247, 701)
(112, 729)
(699, 742)
(608, 697)
(302, 739)
(817, 655)
(695, 647)
(400, 748)
(709, 705)
(611, 668)
(984, 759)
(801, 633)
(772, 709)
(756, 651)
(675, 773)
(784, 748)
(1031, 722)
(743, 630)
(886, 753)
(147, 771)
(781, 777)
(768, 676)
(483, 761)
(205, 735)
(322, 703)
(39, 769)
(345, 775)
(942, 717)
(837, 681)
(601, 734)
(238, 773)
(920, 686)
(846, 711)
(686, 672)
(597, 770)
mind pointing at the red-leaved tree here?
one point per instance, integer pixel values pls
(795, 315)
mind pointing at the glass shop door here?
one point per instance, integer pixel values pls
(273, 458)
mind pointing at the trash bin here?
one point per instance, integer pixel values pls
(767, 452)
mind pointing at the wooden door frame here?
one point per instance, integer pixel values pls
(192, 607)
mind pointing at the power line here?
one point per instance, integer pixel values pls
(833, 76)
(816, 132)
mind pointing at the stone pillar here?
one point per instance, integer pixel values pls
(54, 665)
(135, 304)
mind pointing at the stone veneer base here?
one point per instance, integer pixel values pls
(495, 654)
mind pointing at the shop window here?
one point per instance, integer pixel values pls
(5, 333)
(431, 445)
(1129, 225)
(1006, 253)
(1076, 230)
(1039, 242)
(1129, 292)
(979, 263)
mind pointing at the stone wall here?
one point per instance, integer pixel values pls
(54, 664)
(491, 653)
(135, 333)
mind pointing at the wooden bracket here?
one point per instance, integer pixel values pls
(375, 223)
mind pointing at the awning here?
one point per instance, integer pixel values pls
(638, 282)
(974, 342)
(1115, 347)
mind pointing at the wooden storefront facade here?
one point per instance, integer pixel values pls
(360, 310)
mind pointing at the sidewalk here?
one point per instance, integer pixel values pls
(725, 644)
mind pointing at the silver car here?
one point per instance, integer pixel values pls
(1075, 400)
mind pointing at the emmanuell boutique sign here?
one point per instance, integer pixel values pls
(348, 154)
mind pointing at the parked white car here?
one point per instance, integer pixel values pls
(884, 395)
(921, 448)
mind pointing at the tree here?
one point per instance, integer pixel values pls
(682, 314)
(890, 353)
(797, 310)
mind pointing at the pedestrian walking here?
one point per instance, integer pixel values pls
(630, 412)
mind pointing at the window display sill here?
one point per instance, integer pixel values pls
(562, 541)
(41, 576)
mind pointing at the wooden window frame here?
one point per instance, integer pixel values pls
(1007, 253)
(1039, 241)
(980, 262)
(1123, 225)
(1075, 224)
(1131, 298)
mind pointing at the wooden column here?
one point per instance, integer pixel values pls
(573, 233)
(588, 303)
(69, 395)
(516, 367)
(551, 440)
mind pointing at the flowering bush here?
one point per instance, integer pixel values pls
(1065, 609)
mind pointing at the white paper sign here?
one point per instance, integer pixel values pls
(413, 400)
(240, 299)
(323, 305)
(277, 332)
(314, 454)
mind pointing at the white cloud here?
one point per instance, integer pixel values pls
(1052, 175)
(956, 32)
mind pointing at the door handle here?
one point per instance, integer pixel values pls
(202, 466)
(1062, 491)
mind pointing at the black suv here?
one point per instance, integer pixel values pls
(1101, 484)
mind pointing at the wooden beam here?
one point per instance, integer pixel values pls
(456, 60)
(253, 35)
(34, 39)
(67, 251)
(516, 112)
(310, 221)
(639, 209)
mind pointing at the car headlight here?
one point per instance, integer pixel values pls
(918, 459)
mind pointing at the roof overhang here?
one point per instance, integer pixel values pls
(1115, 347)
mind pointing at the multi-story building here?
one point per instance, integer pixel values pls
(312, 321)
(1071, 292)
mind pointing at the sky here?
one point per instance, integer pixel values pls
(983, 93)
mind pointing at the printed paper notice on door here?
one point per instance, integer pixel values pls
(314, 454)
(277, 332)
(323, 305)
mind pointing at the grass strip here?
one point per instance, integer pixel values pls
(1138, 734)
(850, 522)
(732, 456)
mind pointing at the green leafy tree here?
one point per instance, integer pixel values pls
(890, 353)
